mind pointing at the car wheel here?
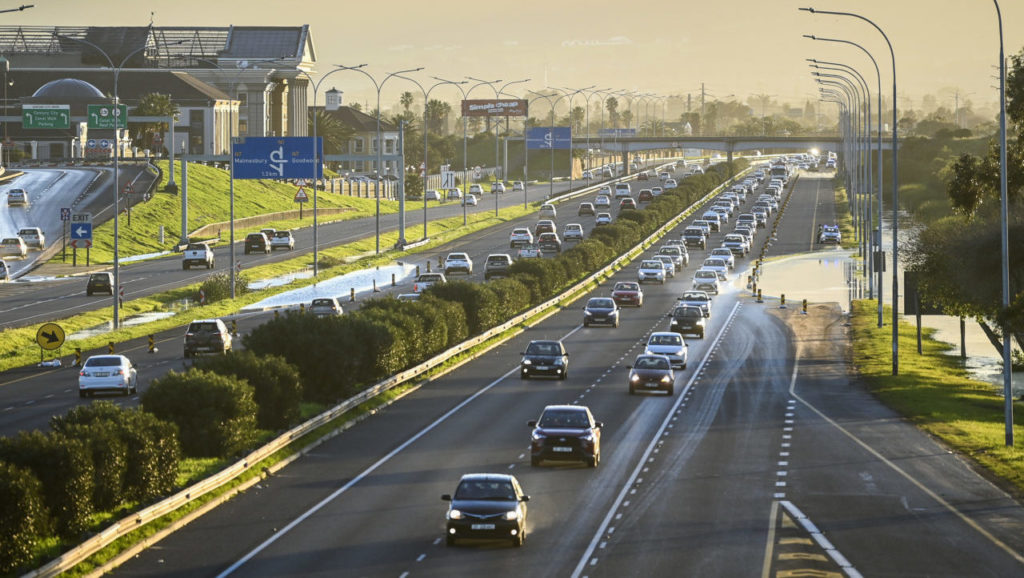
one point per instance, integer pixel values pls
(82, 394)
(534, 461)
(632, 390)
(519, 539)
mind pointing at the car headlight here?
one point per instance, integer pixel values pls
(588, 437)
(666, 379)
(454, 514)
(527, 362)
(537, 436)
(558, 362)
(512, 515)
(634, 377)
(587, 314)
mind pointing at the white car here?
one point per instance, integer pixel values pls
(282, 240)
(622, 190)
(13, 247)
(432, 195)
(725, 254)
(497, 187)
(520, 236)
(670, 344)
(603, 219)
(547, 211)
(5, 273)
(518, 186)
(669, 263)
(469, 201)
(670, 184)
(458, 262)
(476, 189)
(572, 232)
(33, 237)
(657, 191)
(102, 373)
(17, 197)
(718, 265)
(651, 270)
(705, 280)
(602, 202)
(454, 195)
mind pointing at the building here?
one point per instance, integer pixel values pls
(363, 140)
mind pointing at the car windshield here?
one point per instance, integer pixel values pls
(626, 287)
(564, 418)
(601, 303)
(651, 362)
(323, 302)
(202, 326)
(103, 362)
(543, 349)
(706, 275)
(651, 265)
(485, 490)
(682, 312)
(283, 234)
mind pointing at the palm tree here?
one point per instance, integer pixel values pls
(436, 115)
(612, 105)
(576, 118)
(406, 100)
(335, 133)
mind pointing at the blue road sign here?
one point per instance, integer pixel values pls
(277, 158)
(558, 137)
(65, 214)
(617, 132)
(81, 232)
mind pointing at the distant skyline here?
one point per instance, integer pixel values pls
(669, 47)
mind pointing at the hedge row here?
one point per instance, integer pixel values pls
(338, 356)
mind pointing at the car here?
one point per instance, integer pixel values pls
(282, 240)
(102, 282)
(518, 186)
(828, 234)
(651, 270)
(713, 219)
(497, 265)
(723, 215)
(17, 198)
(425, 280)
(746, 219)
(706, 280)
(702, 225)
(629, 203)
(622, 190)
(5, 271)
(602, 202)
(269, 232)
(627, 293)
(469, 200)
(458, 262)
(657, 191)
(670, 344)
(325, 307)
(737, 245)
(497, 187)
(207, 336)
(454, 195)
(257, 243)
(476, 190)
(549, 242)
(601, 311)
(544, 226)
(603, 219)
(746, 232)
(725, 254)
(669, 263)
(651, 372)
(544, 357)
(197, 254)
(432, 195)
(585, 209)
(694, 236)
(678, 255)
(488, 507)
(13, 247)
(695, 170)
(643, 176)
(103, 373)
(718, 265)
(760, 217)
(698, 299)
(670, 184)
(607, 172)
(565, 433)
(645, 196)
(520, 236)
(33, 237)
(529, 251)
(572, 232)
(547, 211)
(664, 176)
(687, 320)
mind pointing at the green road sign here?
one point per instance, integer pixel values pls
(46, 116)
(103, 116)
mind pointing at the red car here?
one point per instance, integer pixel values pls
(545, 226)
(627, 293)
(627, 203)
(645, 196)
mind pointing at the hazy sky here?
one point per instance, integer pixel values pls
(669, 47)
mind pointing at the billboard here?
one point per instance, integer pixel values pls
(506, 107)
(288, 157)
(556, 137)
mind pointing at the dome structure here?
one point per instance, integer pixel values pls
(68, 88)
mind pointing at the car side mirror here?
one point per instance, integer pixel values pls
(532, 423)
(598, 424)
(446, 497)
(524, 498)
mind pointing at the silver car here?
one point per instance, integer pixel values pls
(102, 373)
(669, 344)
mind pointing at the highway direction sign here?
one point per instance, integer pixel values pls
(276, 157)
(104, 116)
(50, 336)
(46, 116)
(556, 137)
(81, 230)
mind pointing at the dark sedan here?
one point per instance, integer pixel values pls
(488, 507)
(544, 358)
(651, 372)
(601, 311)
(687, 320)
(565, 433)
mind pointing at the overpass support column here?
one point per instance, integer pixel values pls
(625, 160)
(728, 153)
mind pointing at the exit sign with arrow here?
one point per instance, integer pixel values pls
(56, 116)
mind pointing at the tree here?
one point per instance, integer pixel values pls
(627, 117)
(152, 104)
(334, 132)
(612, 106)
(577, 117)
(406, 100)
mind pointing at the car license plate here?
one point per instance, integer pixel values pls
(562, 449)
(482, 527)
(652, 384)
(102, 374)
(542, 368)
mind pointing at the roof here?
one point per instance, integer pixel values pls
(264, 42)
(132, 85)
(358, 120)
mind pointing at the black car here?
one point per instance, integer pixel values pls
(207, 336)
(687, 320)
(565, 433)
(486, 506)
(651, 372)
(100, 283)
(257, 243)
(601, 311)
(695, 237)
(544, 358)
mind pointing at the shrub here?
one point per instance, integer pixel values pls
(277, 388)
(110, 462)
(64, 467)
(215, 414)
(23, 517)
(218, 286)
(482, 307)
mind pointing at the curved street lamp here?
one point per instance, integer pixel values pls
(497, 93)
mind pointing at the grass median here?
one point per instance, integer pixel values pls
(934, 391)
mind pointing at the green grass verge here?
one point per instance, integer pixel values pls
(934, 391)
(843, 217)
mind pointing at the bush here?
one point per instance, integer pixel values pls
(277, 389)
(64, 467)
(110, 462)
(215, 414)
(482, 306)
(218, 287)
(23, 517)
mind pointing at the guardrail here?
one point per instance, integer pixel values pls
(69, 559)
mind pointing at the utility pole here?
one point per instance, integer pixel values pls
(702, 94)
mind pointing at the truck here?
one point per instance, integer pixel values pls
(426, 280)
(197, 254)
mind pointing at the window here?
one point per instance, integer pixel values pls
(358, 145)
(389, 146)
(375, 145)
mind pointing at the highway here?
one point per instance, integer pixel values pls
(766, 461)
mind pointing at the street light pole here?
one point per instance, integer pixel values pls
(851, 89)
(1004, 237)
(497, 92)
